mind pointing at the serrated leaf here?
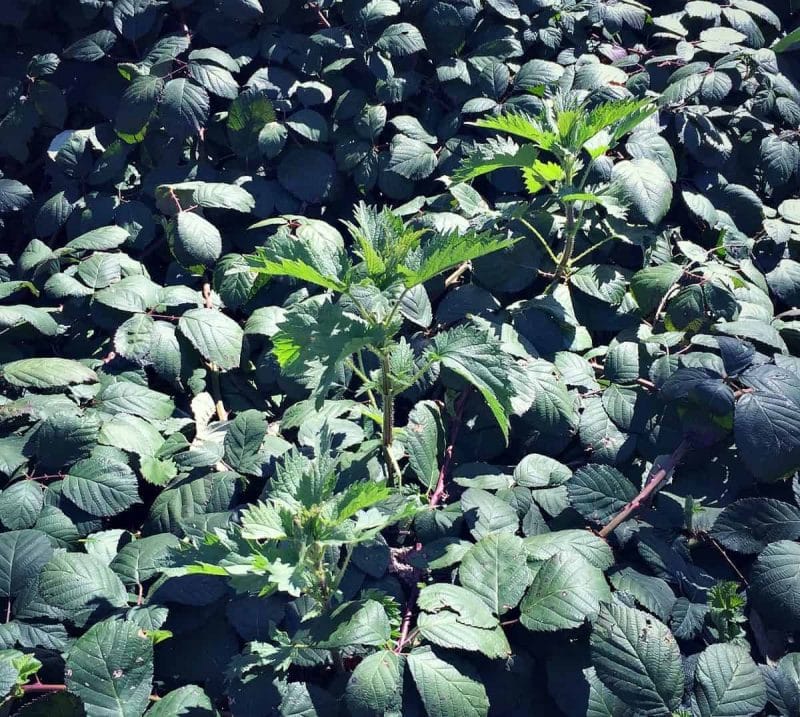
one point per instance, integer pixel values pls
(590, 547)
(566, 591)
(216, 80)
(14, 196)
(598, 492)
(750, 524)
(47, 373)
(243, 441)
(217, 337)
(132, 398)
(195, 240)
(110, 667)
(23, 553)
(75, 581)
(446, 251)
(376, 685)
(495, 569)
(485, 513)
(187, 701)
(184, 107)
(424, 438)
(642, 184)
(400, 39)
(144, 558)
(355, 623)
(411, 158)
(20, 504)
(101, 486)
(728, 682)
(637, 658)
(479, 359)
(650, 285)
(447, 688)
(319, 260)
(775, 584)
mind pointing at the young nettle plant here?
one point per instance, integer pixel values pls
(298, 541)
(330, 337)
(563, 144)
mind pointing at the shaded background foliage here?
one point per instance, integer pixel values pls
(292, 108)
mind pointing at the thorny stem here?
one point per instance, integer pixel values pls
(216, 389)
(36, 687)
(408, 616)
(439, 491)
(727, 559)
(653, 483)
(43, 687)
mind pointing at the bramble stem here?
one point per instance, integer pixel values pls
(439, 491)
(653, 483)
(408, 615)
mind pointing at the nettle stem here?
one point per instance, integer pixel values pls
(570, 231)
(653, 483)
(387, 428)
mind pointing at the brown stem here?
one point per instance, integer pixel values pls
(324, 20)
(42, 687)
(47, 476)
(457, 274)
(408, 616)
(654, 481)
(174, 198)
(727, 559)
(439, 491)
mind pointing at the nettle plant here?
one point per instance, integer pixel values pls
(328, 339)
(565, 143)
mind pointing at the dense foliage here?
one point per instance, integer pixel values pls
(399, 357)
